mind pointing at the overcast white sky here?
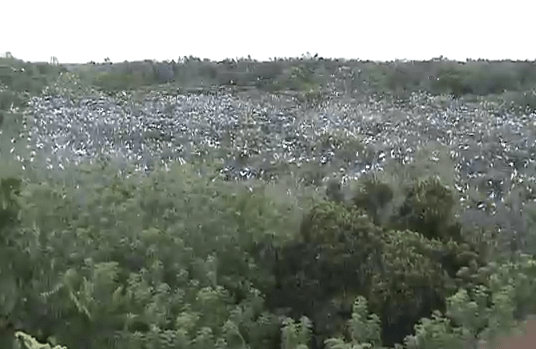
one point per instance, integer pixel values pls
(80, 31)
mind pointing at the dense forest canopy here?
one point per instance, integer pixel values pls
(295, 203)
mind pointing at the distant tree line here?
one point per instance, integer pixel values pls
(397, 78)
(478, 77)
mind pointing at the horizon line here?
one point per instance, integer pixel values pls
(306, 56)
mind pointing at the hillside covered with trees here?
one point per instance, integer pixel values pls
(293, 204)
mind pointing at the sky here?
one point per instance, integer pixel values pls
(83, 31)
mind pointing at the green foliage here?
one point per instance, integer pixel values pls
(523, 101)
(116, 81)
(310, 76)
(429, 209)
(99, 258)
(25, 341)
(20, 76)
(184, 270)
(364, 329)
(434, 333)
(373, 196)
(10, 99)
(9, 206)
(70, 84)
(10, 245)
(412, 281)
(105, 270)
(407, 265)
(296, 336)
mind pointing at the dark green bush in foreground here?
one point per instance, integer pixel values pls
(179, 261)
